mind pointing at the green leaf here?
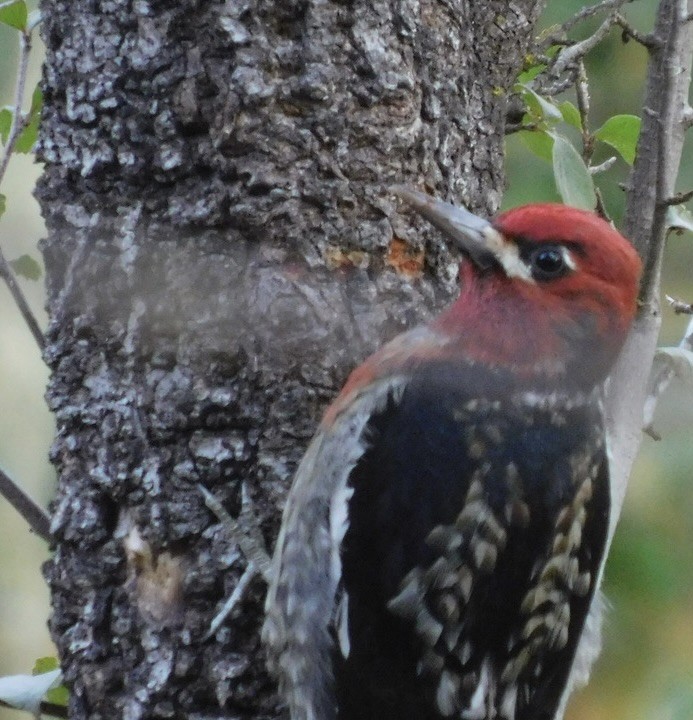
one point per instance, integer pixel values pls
(58, 694)
(36, 101)
(679, 217)
(539, 106)
(530, 73)
(570, 114)
(45, 664)
(573, 180)
(5, 123)
(621, 132)
(14, 15)
(3, 204)
(27, 139)
(539, 142)
(27, 267)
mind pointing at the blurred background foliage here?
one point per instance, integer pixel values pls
(646, 669)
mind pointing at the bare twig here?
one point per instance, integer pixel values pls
(45, 708)
(570, 55)
(630, 33)
(20, 120)
(582, 90)
(232, 601)
(601, 207)
(603, 167)
(29, 318)
(511, 128)
(679, 306)
(563, 69)
(245, 532)
(677, 198)
(556, 87)
(36, 516)
(584, 14)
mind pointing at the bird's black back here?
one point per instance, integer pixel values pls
(530, 456)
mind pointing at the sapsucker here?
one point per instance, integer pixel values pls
(443, 542)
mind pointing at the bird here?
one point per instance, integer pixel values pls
(443, 542)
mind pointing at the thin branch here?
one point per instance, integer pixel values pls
(45, 708)
(551, 81)
(36, 516)
(244, 530)
(29, 318)
(677, 198)
(603, 167)
(551, 89)
(20, 120)
(53, 710)
(232, 601)
(511, 128)
(679, 306)
(570, 55)
(584, 14)
(582, 90)
(630, 33)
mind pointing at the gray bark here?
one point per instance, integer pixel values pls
(221, 251)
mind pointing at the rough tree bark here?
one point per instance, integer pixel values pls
(221, 250)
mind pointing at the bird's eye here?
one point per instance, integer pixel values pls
(548, 263)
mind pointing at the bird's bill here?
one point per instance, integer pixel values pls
(475, 236)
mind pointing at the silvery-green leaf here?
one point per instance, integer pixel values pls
(26, 691)
(573, 179)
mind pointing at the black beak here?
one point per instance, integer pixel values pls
(475, 236)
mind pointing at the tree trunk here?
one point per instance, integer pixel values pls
(222, 249)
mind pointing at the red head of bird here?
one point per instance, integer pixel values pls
(547, 291)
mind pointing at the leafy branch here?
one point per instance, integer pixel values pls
(18, 132)
(650, 190)
(544, 130)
